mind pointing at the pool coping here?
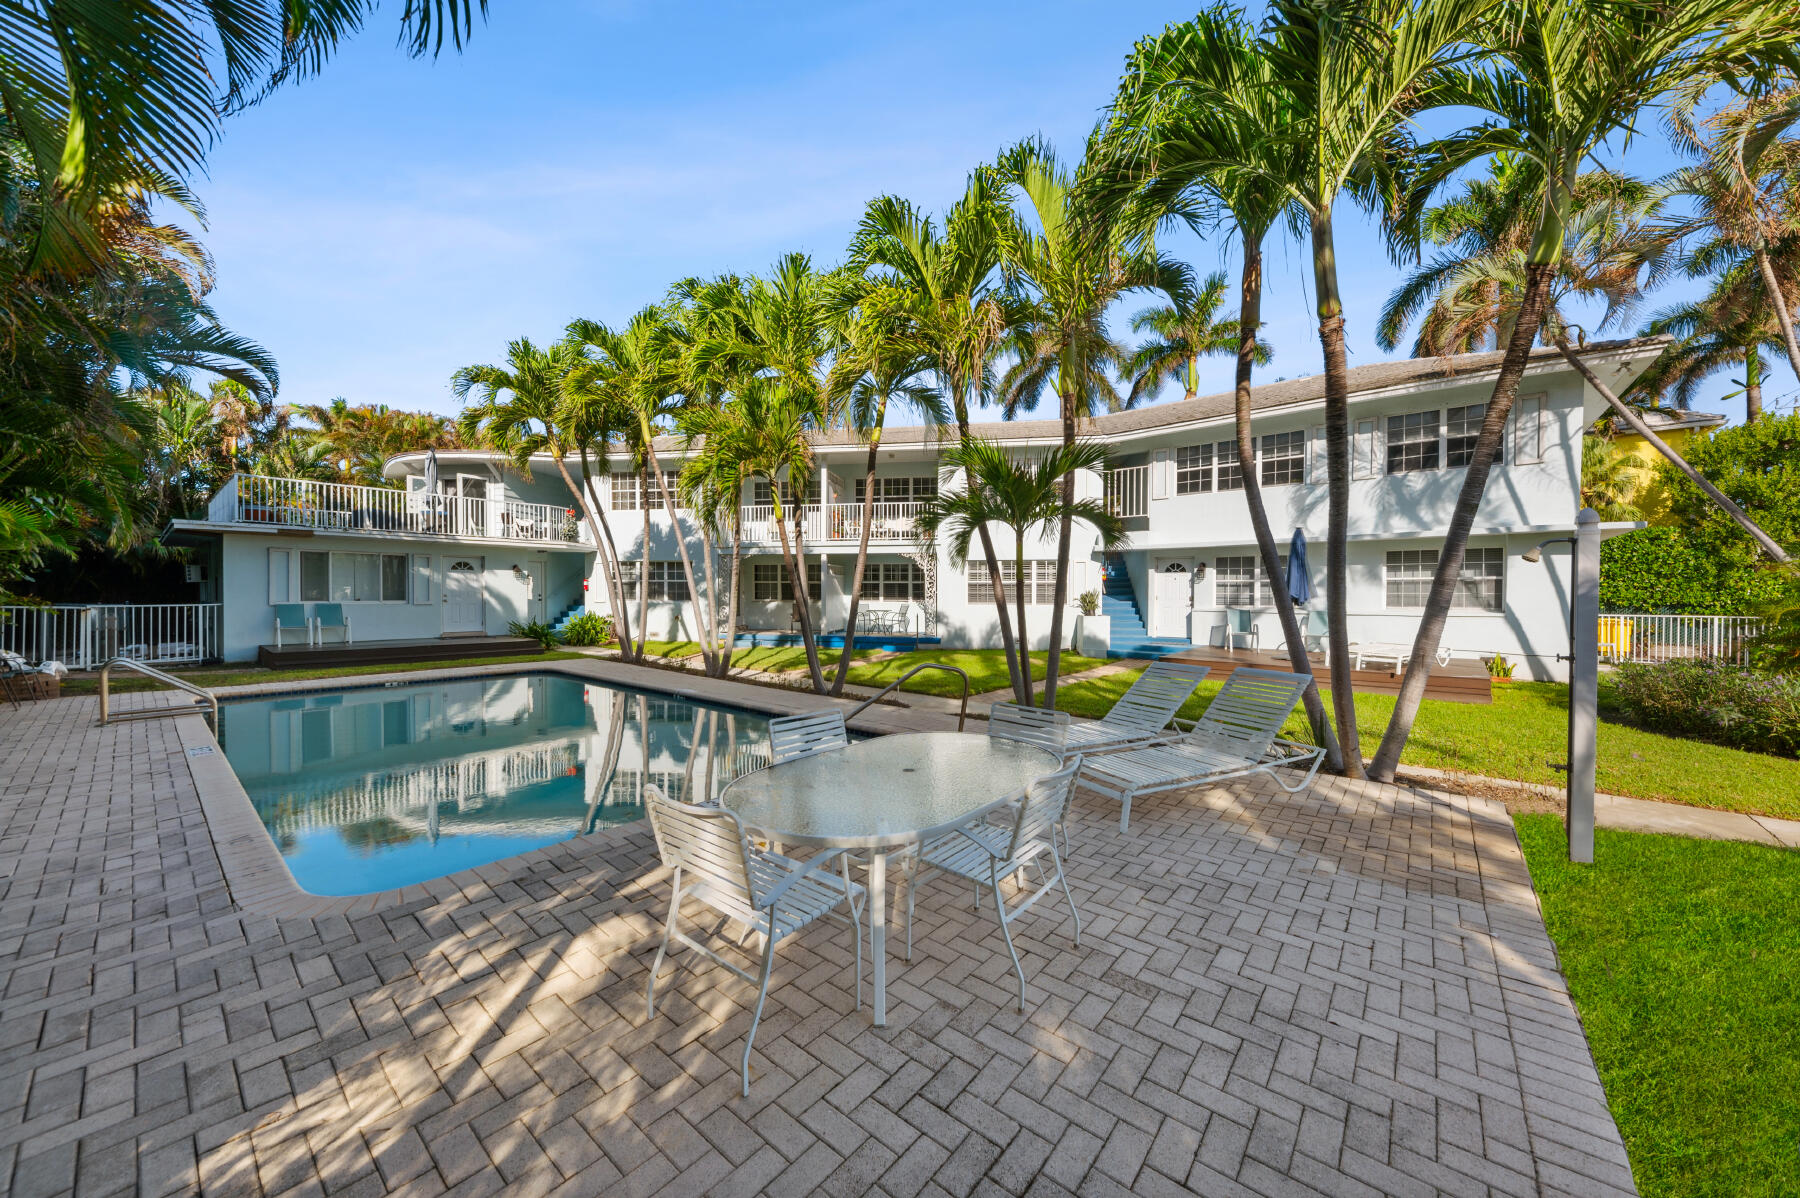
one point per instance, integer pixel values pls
(259, 880)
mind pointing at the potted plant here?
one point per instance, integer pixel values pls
(1093, 631)
(1499, 669)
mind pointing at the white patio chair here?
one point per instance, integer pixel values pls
(792, 737)
(1143, 712)
(1392, 652)
(984, 852)
(716, 865)
(1236, 736)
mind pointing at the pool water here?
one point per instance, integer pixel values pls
(369, 789)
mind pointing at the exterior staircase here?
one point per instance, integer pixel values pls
(561, 623)
(1130, 637)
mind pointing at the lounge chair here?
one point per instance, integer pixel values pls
(330, 615)
(291, 617)
(1236, 736)
(1142, 714)
(716, 865)
(983, 853)
(1032, 725)
(1390, 652)
(792, 737)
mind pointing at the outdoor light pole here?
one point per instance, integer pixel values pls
(1584, 677)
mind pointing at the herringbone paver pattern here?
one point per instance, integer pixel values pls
(1349, 992)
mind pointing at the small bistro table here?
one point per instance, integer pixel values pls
(883, 795)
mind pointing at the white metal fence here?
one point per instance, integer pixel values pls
(85, 636)
(1641, 637)
(1128, 491)
(833, 522)
(344, 507)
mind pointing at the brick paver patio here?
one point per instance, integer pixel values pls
(1349, 992)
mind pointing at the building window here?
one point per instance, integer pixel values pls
(1283, 459)
(1040, 582)
(762, 494)
(1193, 469)
(1461, 427)
(1480, 586)
(315, 576)
(1234, 581)
(1265, 585)
(912, 489)
(1412, 442)
(770, 582)
(667, 582)
(624, 492)
(366, 577)
(894, 581)
(627, 496)
(1230, 477)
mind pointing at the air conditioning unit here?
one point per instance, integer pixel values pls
(196, 573)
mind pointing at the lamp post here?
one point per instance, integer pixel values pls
(1584, 676)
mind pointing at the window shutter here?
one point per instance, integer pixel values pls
(1365, 449)
(281, 575)
(421, 583)
(1159, 474)
(1315, 458)
(1529, 420)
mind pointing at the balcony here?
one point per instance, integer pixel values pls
(840, 523)
(381, 511)
(1128, 491)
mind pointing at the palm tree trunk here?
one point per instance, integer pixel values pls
(862, 548)
(1752, 386)
(644, 565)
(1019, 586)
(1783, 315)
(615, 571)
(733, 579)
(591, 511)
(1060, 597)
(703, 624)
(803, 611)
(1249, 322)
(1532, 303)
(1021, 679)
(1337, 490)
(1764, 540)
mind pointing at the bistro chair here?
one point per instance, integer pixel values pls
(291, 617)
(330, 616)
(716, 865)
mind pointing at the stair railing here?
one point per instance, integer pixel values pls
(961, 715)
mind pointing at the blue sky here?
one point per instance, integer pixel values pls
(392, 220)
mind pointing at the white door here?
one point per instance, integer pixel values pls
(464, 611)
(1171, 599)
(536, 585)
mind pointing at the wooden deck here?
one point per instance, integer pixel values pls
(336, 653)
(1462, 681)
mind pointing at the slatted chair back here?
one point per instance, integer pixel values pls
(706, 843)
(792, 737)
(1032, 725)
(1249, 711)
(1152, 701)
(1318, 623)
(1046, 802)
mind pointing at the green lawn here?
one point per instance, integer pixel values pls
(123, 682)
(763, 657)
(1523, 731)
(1682, 957)
(986, 667)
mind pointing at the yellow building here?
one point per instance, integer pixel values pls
(1676, 427)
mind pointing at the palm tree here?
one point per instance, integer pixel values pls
(1179, 339)
(764, 430)
(1567, 75)
(879, 365)
(1169, 152)
(1713, 333)
(1069, 274)
(959, 314)
(1025, 498)
(1608, 478)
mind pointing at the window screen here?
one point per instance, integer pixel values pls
(315, 576)
(1283, 459)
(1234, 581)
(1193, 469)
(1461, 427)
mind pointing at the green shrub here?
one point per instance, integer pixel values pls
(589, 628)
(546, 637)
(1704, 700)
(1686, 571)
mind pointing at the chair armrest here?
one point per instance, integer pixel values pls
(794, 879)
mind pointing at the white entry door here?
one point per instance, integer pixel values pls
(536, 586)
(1171, 599)
(464, 610)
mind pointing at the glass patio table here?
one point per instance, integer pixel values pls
(883, 796)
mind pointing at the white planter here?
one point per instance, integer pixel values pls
(1093, 635)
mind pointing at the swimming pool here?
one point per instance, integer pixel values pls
(370, 789)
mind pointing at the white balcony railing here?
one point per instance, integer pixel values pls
(343, 507)
(84, 636)
(1128, 491)
(1648, 637)
(833, 522)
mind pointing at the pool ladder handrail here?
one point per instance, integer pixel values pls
(875, 698)
(201, 694)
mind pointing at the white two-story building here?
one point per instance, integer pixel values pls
(482, 545)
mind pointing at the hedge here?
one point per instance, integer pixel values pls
(1679, 570)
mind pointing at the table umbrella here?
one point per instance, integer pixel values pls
(431, 472)
(1299, 581)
